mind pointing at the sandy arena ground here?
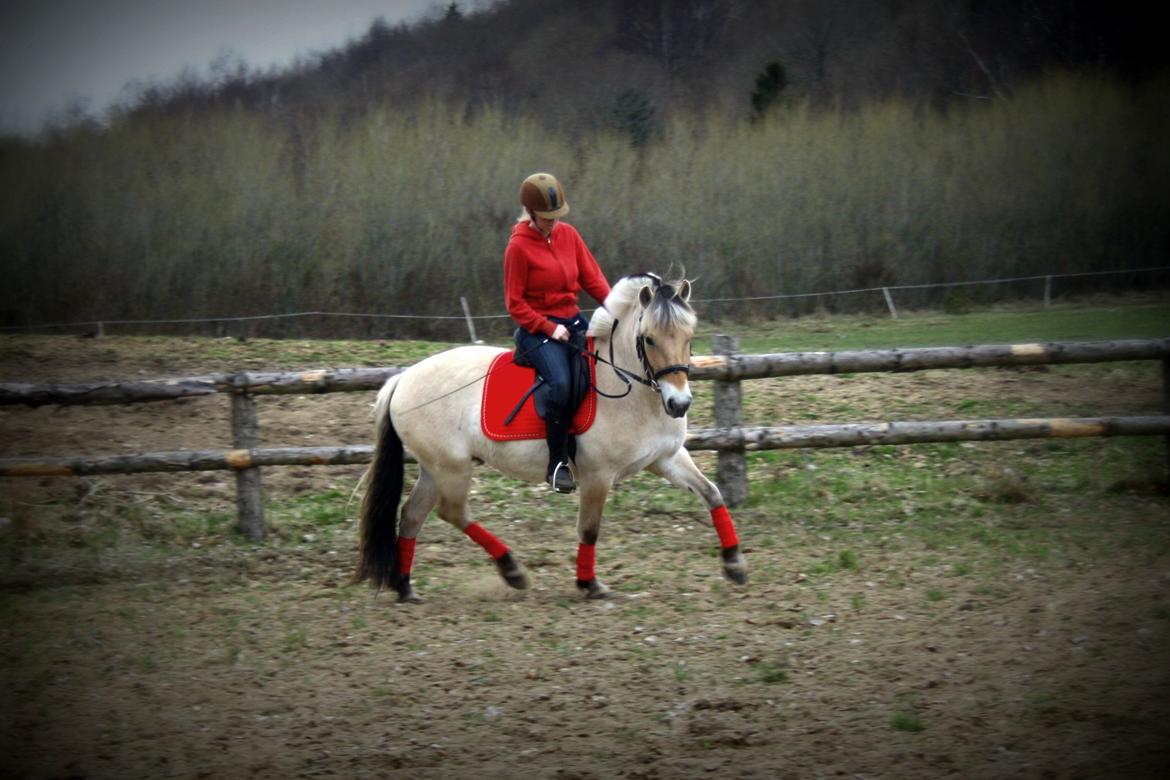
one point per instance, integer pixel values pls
(135, 644)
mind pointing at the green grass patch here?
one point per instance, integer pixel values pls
(327, 508)
(903, 721)
(770, 673)
(1007, 324)
(846, 560)
(294, 640)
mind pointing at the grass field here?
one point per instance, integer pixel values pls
(1146, 316)
(1008, 324)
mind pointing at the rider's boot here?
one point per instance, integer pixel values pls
(559, 476)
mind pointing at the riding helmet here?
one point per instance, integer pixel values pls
(544, 196)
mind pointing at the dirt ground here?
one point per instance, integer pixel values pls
(135, 644)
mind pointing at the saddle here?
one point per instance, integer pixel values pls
(511, 392)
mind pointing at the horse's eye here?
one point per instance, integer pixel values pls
(649, 341)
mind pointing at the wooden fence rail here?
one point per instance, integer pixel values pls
(333, 380)
(726, 368)
(735, 367)
(753, 439)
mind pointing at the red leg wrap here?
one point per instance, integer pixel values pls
(724, 527)
(487, 540)
(586, 560)
(405, 555)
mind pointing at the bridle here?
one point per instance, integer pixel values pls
(649, 377)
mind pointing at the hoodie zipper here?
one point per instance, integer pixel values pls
(556, 259)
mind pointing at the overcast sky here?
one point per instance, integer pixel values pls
(54, 52)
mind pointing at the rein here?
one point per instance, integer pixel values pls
(472, 382)
(650, 378)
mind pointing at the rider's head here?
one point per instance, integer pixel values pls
(542, 196)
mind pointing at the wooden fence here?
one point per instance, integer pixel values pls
(727, 368)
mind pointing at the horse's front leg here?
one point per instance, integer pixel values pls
(593, 496)
(681, 471)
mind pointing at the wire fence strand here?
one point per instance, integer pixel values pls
(465, 316)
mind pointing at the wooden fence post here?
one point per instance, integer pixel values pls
(1166, 401)
(245, 436)
(731, 468)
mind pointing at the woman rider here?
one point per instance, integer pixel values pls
(546, 264)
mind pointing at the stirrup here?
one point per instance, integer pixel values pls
(561, 479)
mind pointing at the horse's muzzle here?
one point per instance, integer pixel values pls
(676, 407)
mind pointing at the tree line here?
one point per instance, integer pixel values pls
(631, 65)
(772, 147)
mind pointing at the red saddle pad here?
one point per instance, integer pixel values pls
(506, 383)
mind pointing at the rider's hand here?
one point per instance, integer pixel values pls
(561, 333)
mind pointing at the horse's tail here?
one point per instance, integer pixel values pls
(378, 555)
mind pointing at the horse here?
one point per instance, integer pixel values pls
(433, 408)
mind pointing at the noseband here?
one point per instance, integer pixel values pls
(651, 376)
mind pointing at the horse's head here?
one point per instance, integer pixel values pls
(664, 324)
(665, 329)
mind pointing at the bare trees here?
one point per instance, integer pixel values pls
(583, 66)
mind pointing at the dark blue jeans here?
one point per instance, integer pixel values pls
(553, 361)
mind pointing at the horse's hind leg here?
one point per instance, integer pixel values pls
(453, 485)
(423, 498)
(681, 471)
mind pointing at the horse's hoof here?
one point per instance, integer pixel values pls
(594, 588)
(512, 572)
(406, 594)
(734, 567)
(738, 576)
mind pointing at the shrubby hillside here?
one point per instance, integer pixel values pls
(771, 148)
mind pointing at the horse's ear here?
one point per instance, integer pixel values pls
(645, 295)
(684, 291)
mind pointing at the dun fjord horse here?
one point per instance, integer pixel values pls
(433, 408)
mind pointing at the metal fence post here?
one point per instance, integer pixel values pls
(890, 302)
(470, 322)
(731, 466)
(245, 436)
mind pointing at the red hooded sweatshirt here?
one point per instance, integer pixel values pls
(542, 277)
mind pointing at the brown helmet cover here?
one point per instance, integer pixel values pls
(544, 196)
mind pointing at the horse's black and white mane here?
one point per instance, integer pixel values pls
(667, 309)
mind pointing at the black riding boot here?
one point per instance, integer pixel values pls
(559, 476)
